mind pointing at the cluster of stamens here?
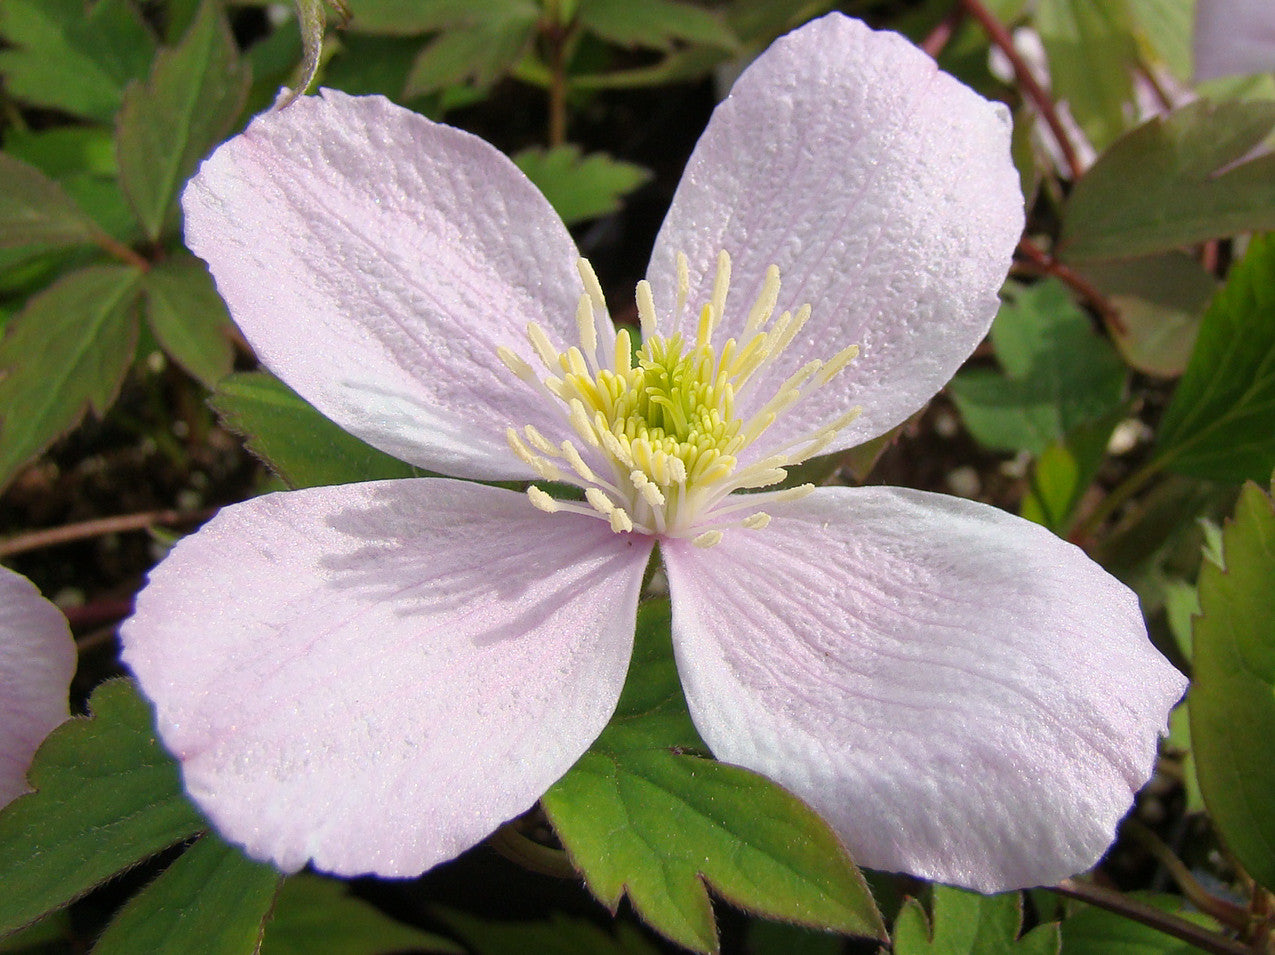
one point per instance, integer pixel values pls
(663, 420)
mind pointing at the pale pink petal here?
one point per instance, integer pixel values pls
(375, 260)
(962, 695)
(1234, 37)
(884, 192)
(37, 661)
(376, 676)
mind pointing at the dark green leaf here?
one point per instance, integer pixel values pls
(305, 448)
(1058, 376)
(1091, 58)
(66, 352)
(35, 210)
(188, 317)
(654, 24)
(1161, 299)
(641, 818)
(966, 923)
(1232, 697)
(64, 150)
(1095, 931)
(1221, 422)
(478, 53)
(316, 916)
(312, 19)
(414, 17)
(777, 938)
(580, 187)
(107, 796)
(558, 935)
(1176, 180)
(72, 55)
(167, 124)
(212, 900)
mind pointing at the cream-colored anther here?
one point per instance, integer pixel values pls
(836, 365)
(721, 286)
(647, 320)
(542, 501)
(755, 522)
(539, 442)
(592, 286)
(587, 330)
(647, 488)
(683, 284)
(764, 307)
(516, 365)
(545, 351)
(572, 457)
(544, 468)
(707, 539)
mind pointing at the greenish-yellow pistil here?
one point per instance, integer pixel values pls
(664, 420)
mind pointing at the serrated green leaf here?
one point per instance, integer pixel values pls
(1091, 59)
(966, 923)
(1178, 179)
(302, 446)
(74, 56)
(641, 818)
(166, 125)
(557, 935)
(1220, 424)
(316, 916)
(64, 150)
(188, 317)
(64, 353)
(1094, 931)
(580, 187)
(1161, 300)
(1232, 696)
(35, 210)
(107, 796)
(1058, 376)
(212, 900)
(655, 24)
(477, 53)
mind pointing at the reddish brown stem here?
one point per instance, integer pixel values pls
(1044, 104)
(1041, 262)
(1160, 920)
(52, 536)
(938, 37)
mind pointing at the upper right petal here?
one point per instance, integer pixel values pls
(375, 260)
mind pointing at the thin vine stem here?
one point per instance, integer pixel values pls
(1149, 915)
(1044, 104)
(1038, 260)
(52, 536)
(1227, 913)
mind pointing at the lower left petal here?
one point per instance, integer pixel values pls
(962, 695)
(373, 677)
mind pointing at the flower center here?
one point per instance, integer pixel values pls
(661, 425)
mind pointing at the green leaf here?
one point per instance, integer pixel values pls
(167, 124)
(580, 187)
(73, 56)
(35, 210)
(107, 796)
(1220, 424)
(312, 19)
(316, 916)
(414, 17)
(1094, 931)
(639, 817)
(65, 150)
(189, 318)
(212, 900)
(655, 24)
(66, 352)
(1232, 697)
(777, 938)
(1178, 179)
(302, 446)
(1161, 299)
(966, 923)
(557, 935)
(1091, 58)
(477, 53)
(1164, 29)
(1058, 374)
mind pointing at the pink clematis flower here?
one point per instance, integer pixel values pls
(373, 677)
(1233, 37)
(37, 661)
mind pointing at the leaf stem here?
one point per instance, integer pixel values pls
(1149, 915)
(558, 37)
(1227, 913)
(515, 846)
(1044, 104)
(1122, 492)
(50, 537)
(113, 246)
(1041, 261)
(938, 38)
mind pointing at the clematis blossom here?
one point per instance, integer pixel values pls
(373, 677)
(37, 661)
